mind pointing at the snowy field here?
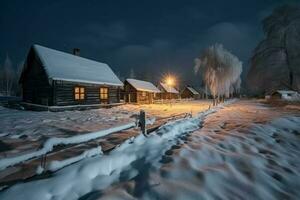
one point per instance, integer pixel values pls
(26, 130)
(243, 150)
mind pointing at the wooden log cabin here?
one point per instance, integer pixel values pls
(190, 93)
(54, 78)
(167, 92)
(138, 91)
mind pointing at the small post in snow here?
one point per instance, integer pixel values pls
(142, 121)
(44, 161)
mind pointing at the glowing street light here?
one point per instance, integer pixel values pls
(170, 80)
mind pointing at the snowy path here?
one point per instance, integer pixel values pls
(243, 151)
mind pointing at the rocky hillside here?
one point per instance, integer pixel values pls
(275, 63)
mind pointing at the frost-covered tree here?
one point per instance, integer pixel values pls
(220, 69)
(19, 70)
(1, 80)
(8, 76)
(276, 60)
(131, 73)
(20, 67)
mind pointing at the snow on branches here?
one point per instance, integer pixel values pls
(220, 69)
(9, 76)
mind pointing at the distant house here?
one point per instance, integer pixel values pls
(284, 95)
(167, 92)
(55, 78)
(204, 93)
(190, 93)
(138, 91)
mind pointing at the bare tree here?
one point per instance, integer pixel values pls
(220, 69)
(131, 73)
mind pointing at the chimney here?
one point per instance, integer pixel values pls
(76, 51)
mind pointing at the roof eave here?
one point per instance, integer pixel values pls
(86, 81)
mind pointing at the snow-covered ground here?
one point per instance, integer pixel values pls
(23, 131)
(245, 150)
(166, 108)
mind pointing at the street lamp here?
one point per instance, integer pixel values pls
(170, 81)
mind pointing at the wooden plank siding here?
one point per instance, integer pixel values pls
(131, 95)
(145, 97)
(35, 86)
(166, 95)
(187, 94)
(64, 93)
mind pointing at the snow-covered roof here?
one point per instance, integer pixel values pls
(192, 90)
(64, 66)
(143, 85)
(202, 90)
(286, 91)
(168, 88)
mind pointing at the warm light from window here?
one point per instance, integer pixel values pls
(79, 93)
(104, 93)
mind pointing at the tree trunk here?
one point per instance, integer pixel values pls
(291, 74)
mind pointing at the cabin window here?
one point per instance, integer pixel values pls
(104, 93)
(79, 93)
(144, 94)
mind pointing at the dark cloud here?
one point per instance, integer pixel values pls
(144, 58)
(106, 36)
(152, 37)
(240, 38)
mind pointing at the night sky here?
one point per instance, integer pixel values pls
(151, 37)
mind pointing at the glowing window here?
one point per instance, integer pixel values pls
(79, 93)
(104, 93)
(144, 94)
